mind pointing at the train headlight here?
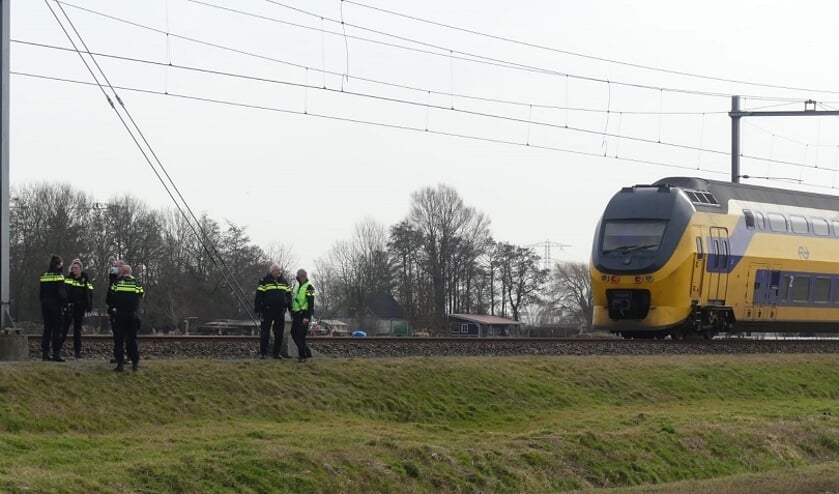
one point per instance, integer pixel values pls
(616, 279)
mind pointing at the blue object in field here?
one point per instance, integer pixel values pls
(359, 334)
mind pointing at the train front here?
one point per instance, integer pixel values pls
(641, 262)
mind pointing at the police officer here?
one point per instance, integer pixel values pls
(79, 301)
(273, 298)
(53, 295)
(124, 301)
(113, 277)
(302, 307)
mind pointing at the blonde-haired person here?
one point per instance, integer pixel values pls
(79, 301)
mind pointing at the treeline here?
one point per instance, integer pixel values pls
(179, 274)
(440, 259)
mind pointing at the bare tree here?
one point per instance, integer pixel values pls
(572, 292)
(522, 278)
(45, 219)
(179, 266)
(358, 268)
(284, 255)
(445, 227)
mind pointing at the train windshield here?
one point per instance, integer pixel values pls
(634, 235)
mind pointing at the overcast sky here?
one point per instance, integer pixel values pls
(293, 174)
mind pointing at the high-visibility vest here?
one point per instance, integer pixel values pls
(301, 300)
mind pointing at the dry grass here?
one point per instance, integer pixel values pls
(536, 424)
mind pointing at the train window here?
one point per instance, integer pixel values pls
(799, 224)
(750, 219)
(760, 221)
(801, 288)
(702, 198)
(821, 290)
(637, 235)
(777, 222)
(724, 262)
(835, 227)
(716, 253)
(700, 252)
(820, 226)
(786, 288)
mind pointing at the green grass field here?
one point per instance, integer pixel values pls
(532, 424)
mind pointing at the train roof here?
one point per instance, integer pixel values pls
(716, 194)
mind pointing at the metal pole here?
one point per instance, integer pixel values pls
(735, 140)
(5, 14)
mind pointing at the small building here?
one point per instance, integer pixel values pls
(382, 315)
(481, 326)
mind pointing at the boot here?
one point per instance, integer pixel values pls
(57, 358)
(120, 367)
(134, 366)
(45, 356)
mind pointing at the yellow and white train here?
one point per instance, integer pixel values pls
(688, 256)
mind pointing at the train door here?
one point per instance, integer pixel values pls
(718, 261)
(698, 273)
(757, 293)
(775, 292)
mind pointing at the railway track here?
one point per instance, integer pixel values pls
(235, 347)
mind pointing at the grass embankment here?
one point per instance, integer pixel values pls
(535, 424)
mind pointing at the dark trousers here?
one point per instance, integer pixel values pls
(298, 334)
(74, 316)
(125, 337)
(270, 319)
(52, 329)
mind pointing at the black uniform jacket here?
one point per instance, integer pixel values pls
(272, 295)
(79, 291)
(53, 293)
(124, 296)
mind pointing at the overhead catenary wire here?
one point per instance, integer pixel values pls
(211, 250)
(424, 91)
(563, 74)
(372, 123)
(571, 53)
(426, 130)
(475, 58)
(429, 106)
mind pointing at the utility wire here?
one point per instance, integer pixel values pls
(430, 106)
(475, 58)
(574, 54)
(426, 105)
(373, 123)
(223, 269)
(423, 91)
(789, 139)
(431, 131)
(438, 132)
